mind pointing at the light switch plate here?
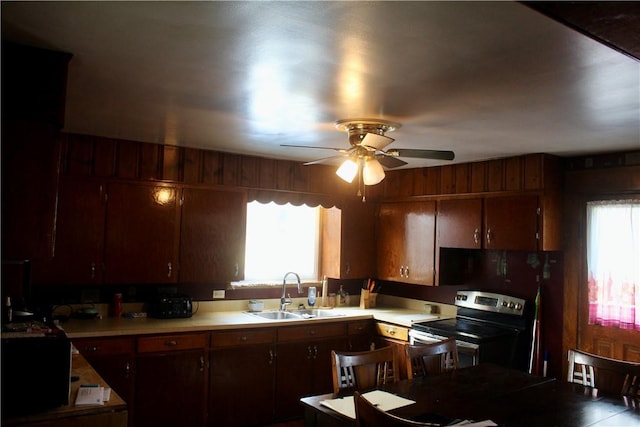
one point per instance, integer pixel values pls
(218, 293)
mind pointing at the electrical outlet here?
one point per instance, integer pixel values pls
(218, 294)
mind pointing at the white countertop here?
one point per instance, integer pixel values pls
(222, 320)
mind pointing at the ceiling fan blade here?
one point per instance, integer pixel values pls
(375, 141)
(390, 162)
(342, 150)
(325, 160)
(422, 154)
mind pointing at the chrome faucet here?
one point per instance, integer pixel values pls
(285, 300)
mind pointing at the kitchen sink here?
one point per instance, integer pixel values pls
(312, 313)
(275, 315)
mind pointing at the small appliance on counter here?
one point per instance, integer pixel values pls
(170, 307)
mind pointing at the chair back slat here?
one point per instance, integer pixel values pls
(603, 374)
(363, 370)
(432, 358)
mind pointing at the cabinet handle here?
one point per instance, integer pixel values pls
(236, 270)
(347, 269)
(243, 338)
(271, 357)
(127, 370)
(201, 363)
(315, 351)
(94, 349)
(489, 235)
(171, 343)
(93, 270)
(406, 272)
(476, 235)
(402, 271)
(391, 331)
(309, 352)
(169, 269)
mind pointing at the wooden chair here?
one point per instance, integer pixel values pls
(426, 359)
(368, 415)
(602, 374)
(363, 370)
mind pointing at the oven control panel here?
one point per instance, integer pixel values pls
(489, 301)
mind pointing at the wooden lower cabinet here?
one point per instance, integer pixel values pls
(304, 364)
(114, 360)
(242, 377)
(171, 381)
(397, 337)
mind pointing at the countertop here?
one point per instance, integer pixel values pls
(223, 320)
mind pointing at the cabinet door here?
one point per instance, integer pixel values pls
(358, 250)
(141, 234)
(390, 244)
(406, 242)
(511, 223)
(294, 373)
(459, 223)
(248, 372)
(114, 360)
(79, 233)
(171, 389)
(212, 235)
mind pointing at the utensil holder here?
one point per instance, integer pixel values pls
(365, 300)
(372, 299)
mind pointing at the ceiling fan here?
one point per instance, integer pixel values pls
(366, 157)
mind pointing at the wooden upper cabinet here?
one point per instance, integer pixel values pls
(511, 223)
(212, 235)
(406, 241)
(459, 223)
(141, 233)
(348, 241)
(77, 256)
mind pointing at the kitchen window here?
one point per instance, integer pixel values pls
(281, 238)
(613, 254)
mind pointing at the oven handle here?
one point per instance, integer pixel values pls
(421, 337)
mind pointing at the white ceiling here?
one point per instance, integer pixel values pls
(484, 79)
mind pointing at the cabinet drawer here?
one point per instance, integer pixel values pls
(357, 328)
(390, 330)
(301, 333)
(172, 342)
(105, 346)
(244, 337)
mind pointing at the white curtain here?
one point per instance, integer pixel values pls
(613, 262)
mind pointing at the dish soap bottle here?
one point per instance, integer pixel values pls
(342, 297)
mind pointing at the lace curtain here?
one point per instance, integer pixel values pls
(613, 263)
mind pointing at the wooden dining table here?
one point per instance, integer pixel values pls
(503, 395)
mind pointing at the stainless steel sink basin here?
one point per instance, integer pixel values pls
(310, 313)
(276, 315)
(314, 313)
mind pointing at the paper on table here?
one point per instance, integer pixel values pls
(467, 423)
(384, 400)
(90, 395)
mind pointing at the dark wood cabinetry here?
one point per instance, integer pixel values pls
(114, 360)
(243, 366)
(212, 235)
(348, 241)
(171, 380)
(406, 242)
(511, 223)
(500, 223)
(78, 253)
(142, 229)
(304, 363)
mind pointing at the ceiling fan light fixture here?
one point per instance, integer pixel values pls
(372, 172)
(348, 170)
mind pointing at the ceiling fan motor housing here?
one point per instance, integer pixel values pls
(357, 129)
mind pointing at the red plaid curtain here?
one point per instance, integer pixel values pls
(613, 262)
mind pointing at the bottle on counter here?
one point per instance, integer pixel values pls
(342, 297)
(117, 305)
(8, 311)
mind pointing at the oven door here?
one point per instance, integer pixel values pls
(467, 352)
